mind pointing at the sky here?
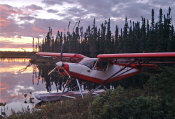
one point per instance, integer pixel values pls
(21, 20)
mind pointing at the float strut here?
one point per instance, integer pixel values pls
(79, 88)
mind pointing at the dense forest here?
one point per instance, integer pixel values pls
(147, 36)
(144, 36)
(141, 36)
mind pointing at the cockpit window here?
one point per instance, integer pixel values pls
(89, 63)
(101, 65)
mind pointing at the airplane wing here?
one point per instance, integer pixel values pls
(69, 57)
(139, 58)
(133, 63)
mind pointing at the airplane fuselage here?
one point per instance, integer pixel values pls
(92, 69)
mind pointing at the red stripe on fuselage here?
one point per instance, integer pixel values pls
(88, 78)
(97, 80)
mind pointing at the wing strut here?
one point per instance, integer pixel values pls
(125, 71)
(122, 69)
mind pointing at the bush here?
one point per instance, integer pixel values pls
(120, 104)
(162, 84)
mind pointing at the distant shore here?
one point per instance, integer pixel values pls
(15, 54)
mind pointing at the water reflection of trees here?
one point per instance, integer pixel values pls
(43, 69)
(50, 80)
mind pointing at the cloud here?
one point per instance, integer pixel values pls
(6, 11)
(52, 11)
(34, 7)
(44, 24)
(24, 22)
(9, 10)
(31, 30)
(129, 10)
(4, 22)
(38, 29)
(9, 29)
(162, 3)
(3, 86)
(26, 17)
(54, 2)
(74, 11)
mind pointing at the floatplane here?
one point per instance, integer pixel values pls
(104, 69)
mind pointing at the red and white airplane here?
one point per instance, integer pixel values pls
(107, 68)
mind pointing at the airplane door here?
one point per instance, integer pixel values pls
(99, 70)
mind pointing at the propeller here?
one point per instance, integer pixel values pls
(60, 63)
(62, 69)
(52, 70)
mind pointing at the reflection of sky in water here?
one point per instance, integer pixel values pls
(14, 84)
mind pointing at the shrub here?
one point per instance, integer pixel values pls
(120, 104)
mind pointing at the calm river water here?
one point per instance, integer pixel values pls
(16, 80)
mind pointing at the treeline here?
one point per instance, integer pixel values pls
(144, 36)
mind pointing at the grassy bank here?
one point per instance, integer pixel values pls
(68, 109)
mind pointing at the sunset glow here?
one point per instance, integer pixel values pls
(17, 44)
(16, 49)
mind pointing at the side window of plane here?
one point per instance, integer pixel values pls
(101, 65)
(89, 63)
